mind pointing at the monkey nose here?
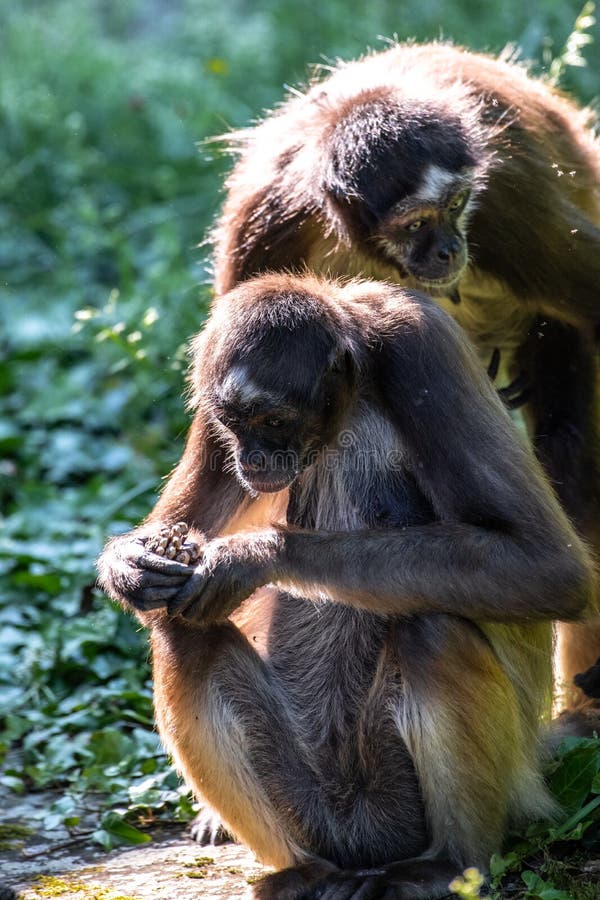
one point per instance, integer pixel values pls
(253, 461)
(255, 465)
(447, 252)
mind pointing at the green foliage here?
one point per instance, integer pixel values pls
(574, 780)
(572, 52)
(105, 194)
(538, 889)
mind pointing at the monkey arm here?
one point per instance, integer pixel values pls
(478, 572)
(445, 568)
(199, 492)
(565, 426)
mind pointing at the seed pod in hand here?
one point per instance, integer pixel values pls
(153, 545)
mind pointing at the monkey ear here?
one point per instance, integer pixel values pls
(341, 363)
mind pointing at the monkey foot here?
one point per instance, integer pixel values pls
(589, 681)
(207, 829)
(171, 543)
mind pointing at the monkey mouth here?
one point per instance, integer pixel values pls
(446, 283)
(266, 483)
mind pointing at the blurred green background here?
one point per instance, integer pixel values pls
(105, 195)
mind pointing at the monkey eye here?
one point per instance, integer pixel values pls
(457, 202)
(416, 225)
(273, 422)
(227, 419)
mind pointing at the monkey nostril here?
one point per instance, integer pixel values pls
(444, 255)
(252, 462)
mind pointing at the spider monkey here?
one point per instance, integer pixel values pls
(358, 691)
(457, 174)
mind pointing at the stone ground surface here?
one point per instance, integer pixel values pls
(171, 867)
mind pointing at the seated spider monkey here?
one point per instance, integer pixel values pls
(357, 692)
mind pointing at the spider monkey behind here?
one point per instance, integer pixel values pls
(394, 710)
(457, 174)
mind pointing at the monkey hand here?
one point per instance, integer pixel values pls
(229, 571)
(144, 569)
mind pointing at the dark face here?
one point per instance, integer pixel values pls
(272, 438)
(400, 178)
(424, 235)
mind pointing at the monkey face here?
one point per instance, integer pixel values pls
(272, 435)
(426, 238)
(266, 453)
(271, 439)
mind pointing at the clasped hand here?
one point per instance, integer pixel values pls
(228, 571)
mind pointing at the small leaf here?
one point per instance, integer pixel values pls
(540, 890)
(105, 839)
(119, 828)
(499, 865)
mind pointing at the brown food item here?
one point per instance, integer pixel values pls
(170, 542)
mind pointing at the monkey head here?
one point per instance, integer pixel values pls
(400, 181)
(275, 385)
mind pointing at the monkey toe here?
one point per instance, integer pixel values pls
(295, 883)
(346, 886)
(494, 365)
(517, 393)
(208, 830)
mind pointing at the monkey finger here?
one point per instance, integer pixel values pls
(517, 402)
(187, 594)
(206, 603)
(494, 364)
(160, 564)
(149, 578)
(153, 597)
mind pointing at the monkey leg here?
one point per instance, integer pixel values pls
(476, 759)
(564, 414)
(220, 714)
(475, 752)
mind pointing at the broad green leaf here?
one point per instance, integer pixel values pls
(572, 782)
(116, 826)
(538, 889)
